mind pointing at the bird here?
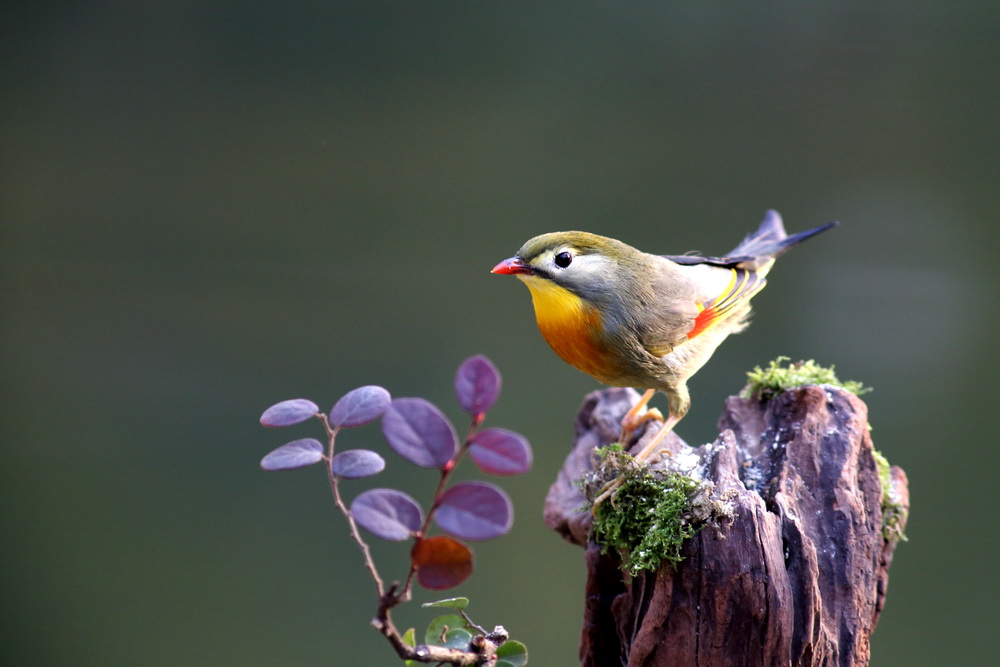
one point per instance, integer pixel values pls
(632, 319)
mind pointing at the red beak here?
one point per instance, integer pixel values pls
(511, 266)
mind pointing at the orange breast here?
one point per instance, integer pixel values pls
(571, 327)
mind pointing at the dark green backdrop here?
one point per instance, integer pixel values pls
(208, 207)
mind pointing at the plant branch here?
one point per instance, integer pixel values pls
(482, 650)
(439, 492)
(417, 429)
(331, 433)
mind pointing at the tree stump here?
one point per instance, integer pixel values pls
(798, 577)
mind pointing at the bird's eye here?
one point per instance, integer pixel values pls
(564, 259)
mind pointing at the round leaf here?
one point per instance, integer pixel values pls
(357, 463)
(441, 562)
(360, 406)
(498, 451)
(386, 513)
(419, 432)
(448, 631)
(290, 412)
(475, 511)
(295, 454)
(512, 654)
(477, 385)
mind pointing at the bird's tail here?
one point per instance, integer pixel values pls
(759, 249)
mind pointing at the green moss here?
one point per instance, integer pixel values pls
(884, 470)
(769, 382)
(652, 513)
(645, 521)
(614, 449)
(893, 512)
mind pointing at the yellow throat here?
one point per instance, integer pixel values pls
(570, 325)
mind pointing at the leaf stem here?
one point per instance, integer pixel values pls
(446, 471)
(482, 649)
(331, 433)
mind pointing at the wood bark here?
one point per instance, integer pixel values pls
(798, 577)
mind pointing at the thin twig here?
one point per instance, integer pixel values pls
(483, 649)
(439, 492)
(355, 534)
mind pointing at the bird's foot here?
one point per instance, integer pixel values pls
(651, 450)
(630, 426)
(608, 491)
(649, 453)
(637, 416)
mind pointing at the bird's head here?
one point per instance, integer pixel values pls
(588, 265)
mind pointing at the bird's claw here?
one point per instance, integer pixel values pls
(632, 423)
(608, 491)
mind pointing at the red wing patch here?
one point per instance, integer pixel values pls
(743, 285)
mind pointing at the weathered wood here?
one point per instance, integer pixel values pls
(797, 578)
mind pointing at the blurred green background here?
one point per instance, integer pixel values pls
(210, 207)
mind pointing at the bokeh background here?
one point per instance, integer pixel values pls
(208, 207)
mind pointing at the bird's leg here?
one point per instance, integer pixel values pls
(679, 402)
(638, 415)
(611, 488)
(650, 447)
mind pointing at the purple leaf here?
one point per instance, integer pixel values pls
(360, 406)
(295, 454)
(290, 412)
(475, 511)
(477, 385)
(498, 451)
(357, 463)
(419, 432)
(387, 513)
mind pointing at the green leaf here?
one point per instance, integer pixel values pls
(512, 654)
(410, 637)
(441, 631)
(452, 603)
(458, 638)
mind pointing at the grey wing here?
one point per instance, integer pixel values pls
(669, 326)
(671, 309)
